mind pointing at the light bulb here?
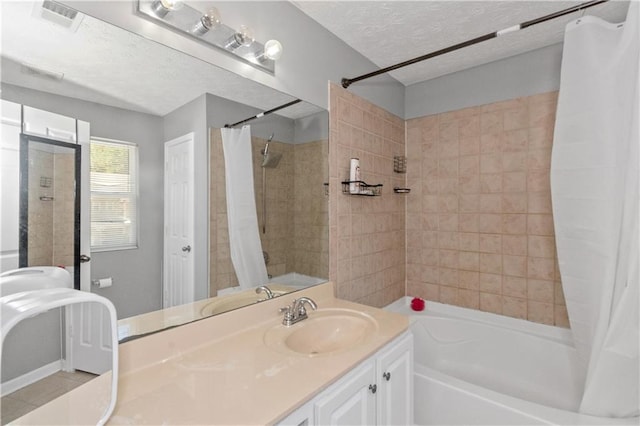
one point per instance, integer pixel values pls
(209, 20)
(244, 37)
(172, 4)
(272, 50)
(247, 35)
(162, 7)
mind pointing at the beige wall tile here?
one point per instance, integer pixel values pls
(376, 229)
(540, 312)
(514, 307)
(484, 186)
(514, 287)
(478, 228)
(490, 243)
(491, 303)
(491, 283)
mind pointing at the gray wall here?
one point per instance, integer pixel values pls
(186, 119)
(527, 74)
(137, 273)
(312, 128)
(33, 343)
(222, 111)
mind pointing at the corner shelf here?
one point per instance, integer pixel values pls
(362, 188)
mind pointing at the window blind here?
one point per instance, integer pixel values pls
(114, 195)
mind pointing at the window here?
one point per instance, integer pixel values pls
(114, 195)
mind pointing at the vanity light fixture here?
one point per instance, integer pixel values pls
(207, 28)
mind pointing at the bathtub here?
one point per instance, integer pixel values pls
(474, 367)
(295, 279)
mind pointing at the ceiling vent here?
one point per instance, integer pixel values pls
(59, 14)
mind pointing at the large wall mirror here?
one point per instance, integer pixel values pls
(135, 91)
(97, 65)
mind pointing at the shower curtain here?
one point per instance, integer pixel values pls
(244, 239)
(594, 185)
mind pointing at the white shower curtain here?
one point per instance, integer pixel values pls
(244, 237)
(594, 185)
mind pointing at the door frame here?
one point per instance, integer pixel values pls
(23, 238)
(188, 138)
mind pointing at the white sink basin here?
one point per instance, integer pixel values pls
(326, 331)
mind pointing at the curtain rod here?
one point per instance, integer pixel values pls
(262, 114)
(346, 82)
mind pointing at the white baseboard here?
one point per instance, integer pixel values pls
(31, 377)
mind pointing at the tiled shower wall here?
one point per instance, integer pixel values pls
(40, 212)
(51, 220)
(479, 221)
(367, 236)
(296, 237)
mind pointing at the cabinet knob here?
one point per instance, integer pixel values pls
(387, 376)
(373, 388)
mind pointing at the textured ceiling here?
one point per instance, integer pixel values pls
(105, 64)
(391, 32)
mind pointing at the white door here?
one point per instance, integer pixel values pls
(352, 402)
(89, 330)
(178, 282)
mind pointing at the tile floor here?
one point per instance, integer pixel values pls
(30, 397)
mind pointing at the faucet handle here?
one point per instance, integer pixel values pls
(287, 311)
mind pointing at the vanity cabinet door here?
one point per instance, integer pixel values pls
(351, 401)
(303, 416)
(395, 378)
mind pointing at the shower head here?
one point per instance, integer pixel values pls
(270, 160)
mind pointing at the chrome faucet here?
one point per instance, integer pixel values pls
(266, 290)
(296, 311)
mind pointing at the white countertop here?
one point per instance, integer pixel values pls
(220, 371)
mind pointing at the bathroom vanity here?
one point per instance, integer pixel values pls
(345, 363)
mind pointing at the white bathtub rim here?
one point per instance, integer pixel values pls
(558, 334)
(537, 412)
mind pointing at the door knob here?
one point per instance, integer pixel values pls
(373, 388)
(84, 258)
(387, 376)
(186, 249)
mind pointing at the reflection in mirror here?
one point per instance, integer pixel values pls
(35, 303)
(49, 211)
(289, 172)
(147, 94)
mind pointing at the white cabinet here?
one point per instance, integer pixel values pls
(395, 378)
(351, 401)
(303, 416)
(379, 391)
(49, 125)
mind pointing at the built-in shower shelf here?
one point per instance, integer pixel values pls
(358, 187)
(398, 190)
